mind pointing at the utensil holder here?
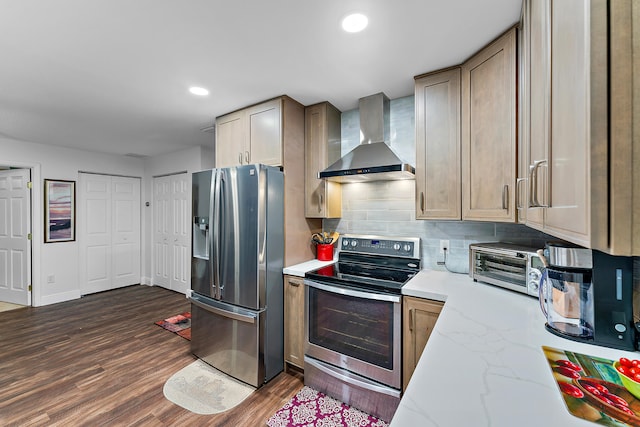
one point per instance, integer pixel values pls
(324, 252)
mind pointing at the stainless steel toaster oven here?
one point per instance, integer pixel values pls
(510, 266)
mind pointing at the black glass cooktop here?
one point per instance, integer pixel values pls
(385, 274)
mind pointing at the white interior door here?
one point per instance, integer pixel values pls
(172, 232)
(15, 245)
(161, 211)
(109, 221)
(181, 232)
(94, 221)
(125, 238)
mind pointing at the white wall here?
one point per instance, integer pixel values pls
(189, 160)
(48, 162)
(58, 259)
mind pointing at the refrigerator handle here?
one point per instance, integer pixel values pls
(215, 240)
(247, 318)
(221, 227)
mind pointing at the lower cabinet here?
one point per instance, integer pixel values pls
(294, 321)
(419, 316)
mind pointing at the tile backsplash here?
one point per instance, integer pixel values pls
(387, 208)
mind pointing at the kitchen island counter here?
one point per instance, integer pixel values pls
(483, 364)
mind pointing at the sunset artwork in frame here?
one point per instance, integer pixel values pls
(59, 211)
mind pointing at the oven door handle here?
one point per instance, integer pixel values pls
(350, 379)
(353, 293)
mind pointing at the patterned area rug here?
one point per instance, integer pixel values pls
(204, 390)
(310, 408)
(180, 324)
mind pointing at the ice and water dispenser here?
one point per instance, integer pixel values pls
(201, 237)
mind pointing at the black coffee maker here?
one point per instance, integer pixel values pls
(587, 295)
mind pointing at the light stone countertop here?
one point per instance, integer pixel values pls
(483, 364)
(300, 269)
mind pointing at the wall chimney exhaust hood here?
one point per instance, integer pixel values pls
(373, 159)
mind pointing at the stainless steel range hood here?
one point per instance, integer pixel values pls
(373, 159)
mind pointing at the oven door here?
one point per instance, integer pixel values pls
(355, 330)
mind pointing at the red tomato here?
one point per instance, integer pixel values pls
(625, 409)
(617, 400)
(571, 390)
(636, 378)
(635, 362)
(598, 386)
(625, 362)
(568, 364)
(566, 372)
(633, 370)
(605, 400)
(591, 389)
(623, 370)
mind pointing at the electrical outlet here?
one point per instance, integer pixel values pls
(51, 278)
(444, 246)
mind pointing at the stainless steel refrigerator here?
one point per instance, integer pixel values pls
(236, 271)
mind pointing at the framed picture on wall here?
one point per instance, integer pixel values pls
(59, 211)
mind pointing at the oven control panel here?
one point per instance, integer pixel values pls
(375, 245)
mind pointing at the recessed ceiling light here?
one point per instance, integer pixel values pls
(200, 91)
(354, 23)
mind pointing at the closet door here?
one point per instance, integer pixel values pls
(180, 232)
(171, 236)
(94, 221)
(125, 236)
(161, 211)
(109, 222)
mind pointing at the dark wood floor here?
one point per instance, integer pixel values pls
(101, 361)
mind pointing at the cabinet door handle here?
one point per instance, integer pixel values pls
(505, 197)
(534, 201)
(246, 157)
(319, 202)
(411, 320)
(292, 283)
(519, 204)
(240, 157)
(422, 201)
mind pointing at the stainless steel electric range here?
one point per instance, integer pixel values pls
(353, 312)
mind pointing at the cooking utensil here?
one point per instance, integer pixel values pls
(334, 236)
(317, 238)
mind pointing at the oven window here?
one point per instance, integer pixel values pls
(356, 327)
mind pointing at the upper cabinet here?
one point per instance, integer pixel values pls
(489, 132)
(272, 133)
(568, 145)
(466, 137)
(251, 135)
(581, 98)
(323, 199)
(437, 107)
(524, 114)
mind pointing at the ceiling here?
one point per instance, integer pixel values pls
(113, 75)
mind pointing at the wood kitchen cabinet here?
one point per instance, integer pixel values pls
(568, 147)
(272, 133)
(581, 182)
(524, 116)
(251, 135)
(437, 109)
(323, 199)
(489, 132)
(419, 317)
(294, 321)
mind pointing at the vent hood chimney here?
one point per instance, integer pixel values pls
(373, 159)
